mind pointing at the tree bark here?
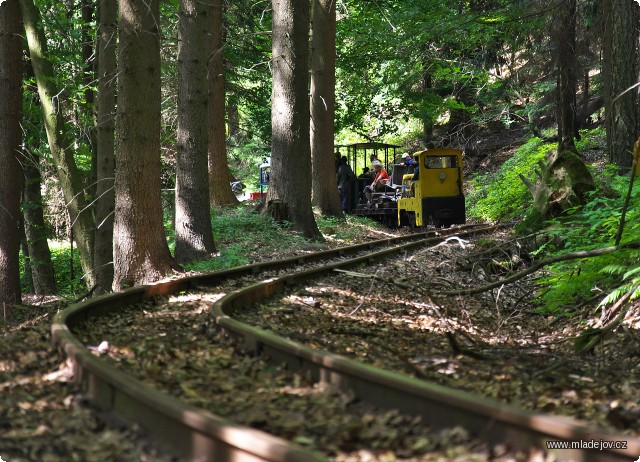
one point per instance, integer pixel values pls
(194, 236)
(60, 141)
(566, 55)
(290, 181)
(44, 282)
(233, 116)
(10, 140)
(105, 157)
(621, 73)
(87, 8)
(323, 85)
(141, 253)
(220, 178)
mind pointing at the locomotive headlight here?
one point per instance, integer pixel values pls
(442, 177)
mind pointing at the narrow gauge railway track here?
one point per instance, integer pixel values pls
(438, 406)
(188, 430)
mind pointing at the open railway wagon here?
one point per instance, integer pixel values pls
(359, 157)
(430, 195)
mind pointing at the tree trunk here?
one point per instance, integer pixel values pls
(88, 78)
(60, 140)
(219, 176)
(10, 139)
(105, 157)
(323, 84)
(290, 180)
(233, 116)
(194, 236)
(621, 73)
(27, 278)
(562, 182)
(141, 253)
(427, 119)
(566, 55)
(44, 282)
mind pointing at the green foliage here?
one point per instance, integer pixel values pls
(68, 275)
(592, 140)
(69, 283)
(245, 160)
(590, 227)
(503, 195)
(345, 230)
(241, 234)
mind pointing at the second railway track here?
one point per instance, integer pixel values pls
(200, 435)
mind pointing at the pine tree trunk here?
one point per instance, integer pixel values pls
(105, 137)
(60, 140)
(44, 282)
(621, 72)
(233, 116)
(10, 139)
(427, 87)
(290, 180)
(566, 54)
(323, 83)
(194, 236)
(87, 106)
(141, 253)
(220, 192)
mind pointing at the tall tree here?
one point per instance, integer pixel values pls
(41, 266)
(219, 176)
(290, 181)
(10, 139)
(621, 50)
(61, 142)
(140, 249)
(194, 236)
(105, 156)
(323, 86)
(566, 68)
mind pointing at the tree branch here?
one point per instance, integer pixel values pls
(542, 263)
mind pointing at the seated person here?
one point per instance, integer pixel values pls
(408, 161)
(366, 174)
(380, 181)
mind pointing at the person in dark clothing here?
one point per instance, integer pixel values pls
(366, 174)
(345, 177)
(408, 161)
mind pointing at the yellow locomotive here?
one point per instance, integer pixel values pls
(433, 194)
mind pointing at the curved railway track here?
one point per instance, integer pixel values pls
(200, 435)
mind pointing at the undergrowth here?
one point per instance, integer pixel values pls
(243, 235)
(503, 196)
(586, 228)
(66, 268)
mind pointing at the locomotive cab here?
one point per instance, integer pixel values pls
(435, 195)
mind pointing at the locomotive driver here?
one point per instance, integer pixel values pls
(380, 180)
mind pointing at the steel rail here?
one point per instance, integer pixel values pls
(492, 421)
(187, 430)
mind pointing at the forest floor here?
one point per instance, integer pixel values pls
(43, 418)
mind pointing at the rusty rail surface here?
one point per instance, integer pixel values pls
(201, 435)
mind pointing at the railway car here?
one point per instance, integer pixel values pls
(430, 194)
(434, 194)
